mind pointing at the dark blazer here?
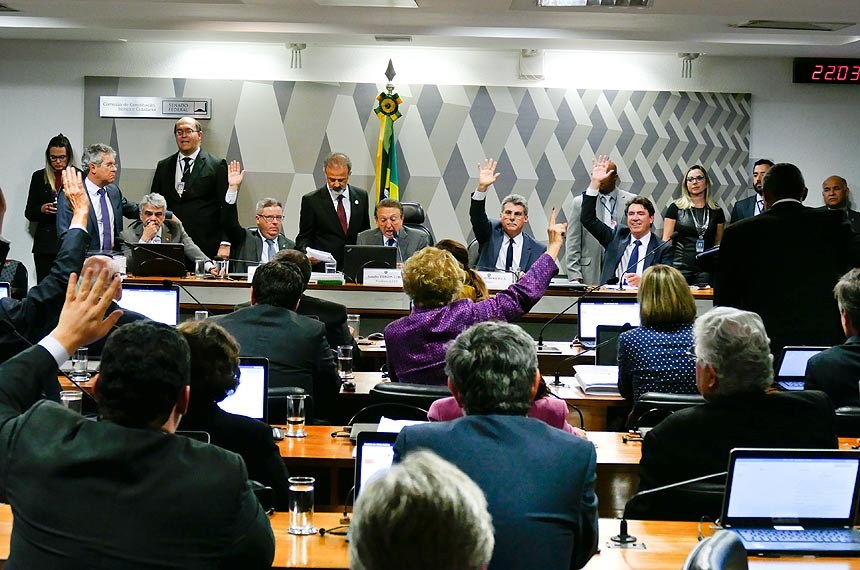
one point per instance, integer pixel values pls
(332, 315)
(853, 217)
(836, 372)
(319, 226)
(616, 241)
(36, 315)
(491, 236)
(251, 248)
(201, 203)
(121, 208)
(538, 480)
(171, 232)
(249, 438)
(45, 239)
(743, 209)
(296, 347)
(696, 441)
(783, 264)
(100, 494)
(408, 242)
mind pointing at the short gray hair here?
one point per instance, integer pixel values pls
(847, 293)
(94, 154)
(516, 200)
(736, 344)
(266, 203)
(338, 159)
(155, 200)
(391, 518)
(493, 366)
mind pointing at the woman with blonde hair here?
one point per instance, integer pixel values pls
(654, 357)
(699, 222)
(474, 287)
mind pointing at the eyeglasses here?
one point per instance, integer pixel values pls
(271, 218)
(695, 178)
(53, 158)
(185, 132)
(109, 165)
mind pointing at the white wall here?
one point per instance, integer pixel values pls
(41, 94)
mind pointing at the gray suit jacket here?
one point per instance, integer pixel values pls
(171, 232)
(408, 242)
(251, 248)
(584, 252)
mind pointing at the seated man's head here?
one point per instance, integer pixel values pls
(143, 380)
(299, 259)
(515, 215)
(847, 293)
(153, 208)
(214, 361)
(783, 181)
(279, 284)
(835, 190)
(432, 278)
(392, 516)
(270, 216)
(389, 217)
(732, 353)
(640, 216)
(492, 368)
(99, 262)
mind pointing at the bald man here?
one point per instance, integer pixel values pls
(835, 192)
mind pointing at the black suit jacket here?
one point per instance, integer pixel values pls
(743, 209)
(99, 495)
(836, 372)
(295, 346)
(853, 217)
(45, 238)
(491, 237)
(201, 203)
(249, 438)
(783, 265)
(319, 226)
(538, 480)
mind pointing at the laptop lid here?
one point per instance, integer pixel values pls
(157, 260)
(607, 354)
(357, 257)
(374, 454)
(158, 302)
(812, 488)
(593, 312)
(5, 290)
(251, 397)
(793, 361)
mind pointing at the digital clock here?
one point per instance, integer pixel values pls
(824, 70)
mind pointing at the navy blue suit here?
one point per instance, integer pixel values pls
(538, 480)
(743, 209)
(121, 207)
(491, 237)
(616, 241)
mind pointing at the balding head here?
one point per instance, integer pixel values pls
(783, 181)
(99, 262)
(835, 192)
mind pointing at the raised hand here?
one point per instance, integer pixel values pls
(76, 193)
(235, 175)
(82, 320)
(487, 174)
(555, 231)
(600, 170)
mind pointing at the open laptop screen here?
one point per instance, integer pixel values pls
(794, 360)
(605, 312)
(159, 303)
(374, 454)
(251, 396)
(5, 290)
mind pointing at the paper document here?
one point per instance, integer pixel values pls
(394, 426)
(597, 379)
(319, 255)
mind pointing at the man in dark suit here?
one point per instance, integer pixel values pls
(836, 371)
(538, 480)
(784, 263)
(835, 192)
(625, 256)
(332, 216)
(130, 472)
(296, 346)
(753, 205)
(107, 204)
(734, 372)
(259, 244)
(391, 232)
(197, 185)
(502, 245)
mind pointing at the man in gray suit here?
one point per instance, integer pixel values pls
(259, 244)
(390, 231)
(584, 252)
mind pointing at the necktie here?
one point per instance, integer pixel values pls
(107, 234)
(186, 168)
(759, 207)
(634, 257)
(391, 241)
(509, 258)
(270, 243)
(341, 214)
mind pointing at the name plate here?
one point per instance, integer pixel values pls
(497, 280)
(383, 277)
(154, 107)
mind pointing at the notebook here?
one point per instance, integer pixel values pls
(791, 370)
(374, 454)
(251, 397)
(159, 303)
(793, 501)
(593, 312)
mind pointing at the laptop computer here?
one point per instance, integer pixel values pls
(251, 397)
(157, 260)
(791, 369)
(606, 352)
(357, 257)
(158, 302)
(5, 290)
(593, 312)
(374, 454)
(793, 501)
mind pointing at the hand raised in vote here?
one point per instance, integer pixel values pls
(487, 174)
(235, 175)
(82, 319)
(76, 193)
(600, 170)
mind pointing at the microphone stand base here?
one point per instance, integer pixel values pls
(628, 542)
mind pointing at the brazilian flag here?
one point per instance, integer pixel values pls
(386, 153)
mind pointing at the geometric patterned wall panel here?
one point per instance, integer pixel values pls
(543, 138)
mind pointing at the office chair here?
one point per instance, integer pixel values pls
(722, 551)
(473, 248)
(848, 421)
(277, 405)
(413, 218)
(372, 413)
(653, 407)
(688, 503)
(418, 395)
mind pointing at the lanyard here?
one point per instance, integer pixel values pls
(703, 227)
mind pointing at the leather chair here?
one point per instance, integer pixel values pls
(848, 421)
(419, 395)
(653, 407)
(722, 551)
(414, 218)
(473, 252)
(277, 405)
(394, 411)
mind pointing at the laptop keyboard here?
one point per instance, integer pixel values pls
(807, 535)
(792, 384)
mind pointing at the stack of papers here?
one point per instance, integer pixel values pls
(597, 380)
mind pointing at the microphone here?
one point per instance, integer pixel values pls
(557, 382)
(623, 538)
(171, 283)
(670, 242)
(576, 302)
(395, 234)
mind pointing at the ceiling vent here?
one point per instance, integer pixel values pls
(389, 39)
(795, 26)
(594, 3)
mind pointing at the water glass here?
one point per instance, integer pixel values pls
(201, 315)
(221, 268)
(301, 505)
(80, 361)
(330, 267)
(354, 322)
(200, 268)
(296, 415)
(72, 399)
(344, 362)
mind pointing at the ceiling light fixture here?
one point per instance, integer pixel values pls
(687, 64)
(296, 55)
(594, 3)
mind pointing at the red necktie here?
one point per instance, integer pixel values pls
(341, 214)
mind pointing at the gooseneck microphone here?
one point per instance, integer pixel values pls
(170, 283)
(557, 382)
(575, 303)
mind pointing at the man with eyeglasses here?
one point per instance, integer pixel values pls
(260, 244)
(198, 186)
(502, 244)
(390, 231)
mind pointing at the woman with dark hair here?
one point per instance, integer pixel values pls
(699, 222)
(474, 287)
(215, 375)
(41, 207)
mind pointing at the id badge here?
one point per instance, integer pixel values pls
(700, 245)
(612, 224)
(180, 188)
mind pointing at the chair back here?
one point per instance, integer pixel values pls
(394, 411)
(653, 407)
(848, 421)
(473, 252)
(414, 219)
(722, 551)
(419, 395)
(278, 403)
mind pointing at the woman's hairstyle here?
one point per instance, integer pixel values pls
(432, 278)
(214, 361)
(59, 141)
(461, 254)
(685, 201)
(665, 299)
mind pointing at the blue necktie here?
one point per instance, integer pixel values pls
(634, 257)
(391, 241)
(271, 248)
(107, 234)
